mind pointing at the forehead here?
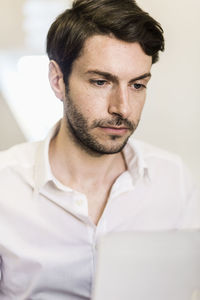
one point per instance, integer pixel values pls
(112, 55)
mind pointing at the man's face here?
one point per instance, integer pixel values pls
(106, 94)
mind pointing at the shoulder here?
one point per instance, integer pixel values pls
(19, 155)
(17, 169)
(171, 180)
(157, 158)
(163, 166)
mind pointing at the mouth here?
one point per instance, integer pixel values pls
(115, 130)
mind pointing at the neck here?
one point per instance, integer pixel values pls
(75, 167)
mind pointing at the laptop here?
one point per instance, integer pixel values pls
(148, 266)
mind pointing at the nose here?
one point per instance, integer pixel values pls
(119, 102)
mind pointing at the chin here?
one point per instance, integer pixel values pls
(103, 149)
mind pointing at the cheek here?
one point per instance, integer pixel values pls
(89, 107)
(84, 97)
(142, 104)
(89, 104)
(137, 106)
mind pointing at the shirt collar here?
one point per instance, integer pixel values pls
(135, 161)
(42, 172)
(136, 164)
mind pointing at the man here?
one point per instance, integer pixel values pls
(89, 177)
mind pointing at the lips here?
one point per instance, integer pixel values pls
(114, 127)
(115, 130)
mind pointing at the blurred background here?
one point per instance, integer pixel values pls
(28, 108)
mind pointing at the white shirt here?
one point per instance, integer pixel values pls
(47, 240)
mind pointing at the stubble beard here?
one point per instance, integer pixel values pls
(78, 128)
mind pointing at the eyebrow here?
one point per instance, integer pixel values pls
(114, 78)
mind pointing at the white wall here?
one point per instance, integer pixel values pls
(11, 23)
(10, 132)
(171, 117)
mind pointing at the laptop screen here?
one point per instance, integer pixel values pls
(148, 266)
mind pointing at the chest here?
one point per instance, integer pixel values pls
(97, 201)
(56, 242)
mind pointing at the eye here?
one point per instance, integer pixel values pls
(139, 86)
(98, 82)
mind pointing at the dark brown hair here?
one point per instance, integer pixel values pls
(122, 19)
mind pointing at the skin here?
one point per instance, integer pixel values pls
(102, 108)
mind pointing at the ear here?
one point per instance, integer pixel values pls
(56, 80)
